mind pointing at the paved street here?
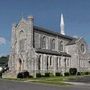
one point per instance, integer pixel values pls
(13, 85)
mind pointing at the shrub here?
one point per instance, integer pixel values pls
(47, 74)
(26, 74)
(20, 75)
(82, 73)
(78, 73)
(86, 73)
(38, 74)
(72, 71)
(30, 76)
(89, 73)
(58, 74)
(51, 75)
(42, 75)
(66, 74)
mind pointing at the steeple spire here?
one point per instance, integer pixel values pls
(62, 25)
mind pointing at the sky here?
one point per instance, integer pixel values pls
(46, 14)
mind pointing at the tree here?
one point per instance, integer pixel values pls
(4, 60)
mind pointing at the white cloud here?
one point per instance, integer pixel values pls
(2, 40)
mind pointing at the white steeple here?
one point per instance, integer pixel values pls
(62, 25)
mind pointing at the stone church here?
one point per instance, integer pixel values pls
(39, 50)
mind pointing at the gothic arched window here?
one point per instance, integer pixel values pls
(61, 46)
(43, 42)
(53, 44)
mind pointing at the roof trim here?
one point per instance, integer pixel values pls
(46, 51)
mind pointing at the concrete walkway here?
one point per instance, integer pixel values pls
(78, 83)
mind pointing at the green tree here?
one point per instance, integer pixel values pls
(4, 60)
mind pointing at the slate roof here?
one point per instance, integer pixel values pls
(41, 29)
(46, 51)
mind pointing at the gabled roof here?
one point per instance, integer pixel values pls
(41, 29)
(21, 20)
(72, 42)
(46, 51)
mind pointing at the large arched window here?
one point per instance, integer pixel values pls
(53, 44)
(60, 46)
(43, 42)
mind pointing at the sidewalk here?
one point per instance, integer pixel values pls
(78, 83)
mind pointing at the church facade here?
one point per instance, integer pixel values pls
(39, 50)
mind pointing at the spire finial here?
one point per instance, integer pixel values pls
(62, 24)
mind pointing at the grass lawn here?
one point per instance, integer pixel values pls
(57, 80)
(51, 80)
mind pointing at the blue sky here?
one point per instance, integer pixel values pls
(47, 14)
